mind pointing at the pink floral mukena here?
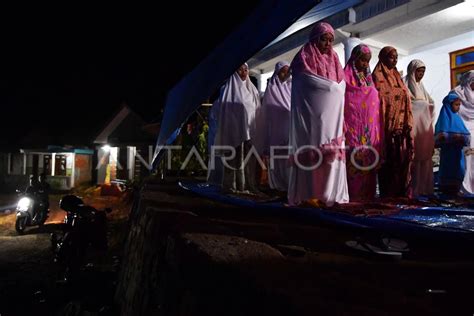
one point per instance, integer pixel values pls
(362, 127)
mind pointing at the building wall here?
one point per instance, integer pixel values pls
(83, 169)
(30, 165)
(60, 183)
(11, 182)
(14, 182)
(17, 164)
(101, 168)
(437, 78)
(4, 164)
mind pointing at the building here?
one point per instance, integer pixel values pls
(124, 147)
(72, 154)
(434, 31)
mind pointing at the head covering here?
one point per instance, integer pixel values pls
(467, 78)
(276, 108)
(278, 66)
(449, 121)
(416, 89)
(358, 79)
(278, 93)
(236, 107)
(320, 29)
(384, 52)
(396, 105)
(310, 60)
(465, 93)
(391, 75)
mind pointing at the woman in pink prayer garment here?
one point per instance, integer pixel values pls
(317, 156)
(362, 126)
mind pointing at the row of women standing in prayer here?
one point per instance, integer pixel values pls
(451, 135)
(379, 114)
(332, 107)
(385, 122)
(387, 126)
(235, 120)
(402, 136)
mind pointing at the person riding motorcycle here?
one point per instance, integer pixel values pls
(33, 187)
(36, 190)
(43, 190)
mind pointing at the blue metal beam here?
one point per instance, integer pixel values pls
(265, 23)
(321, 11)
(298, 33)
(333, 12)
(268, 20)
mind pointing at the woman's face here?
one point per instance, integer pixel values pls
(392, 58)
(325, 43)
(362, 63)
(456, 105)
(419, 73)
(283, 73)
(243, 72)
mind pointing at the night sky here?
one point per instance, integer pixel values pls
(72, 67)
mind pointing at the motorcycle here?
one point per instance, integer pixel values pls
(84, 227)
(31, 210)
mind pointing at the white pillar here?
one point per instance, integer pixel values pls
(131, 152)
(9, 163)
(53, 163)
(102, 162)
(73, 172)
(24, 163)
(349, 44)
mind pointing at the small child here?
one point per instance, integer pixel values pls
(451, 135)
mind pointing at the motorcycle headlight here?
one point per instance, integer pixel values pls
(23, 204)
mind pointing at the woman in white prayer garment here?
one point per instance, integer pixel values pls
(465, 91)
(276, 107)
(423, 115)
(236, 128)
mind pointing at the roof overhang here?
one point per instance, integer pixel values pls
(268, 25)
(335, 12)
(57, 150)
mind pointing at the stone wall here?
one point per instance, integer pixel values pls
(188, 256)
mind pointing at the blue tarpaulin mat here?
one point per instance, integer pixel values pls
(454, 220)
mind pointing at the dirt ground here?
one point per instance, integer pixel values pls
(30, 282)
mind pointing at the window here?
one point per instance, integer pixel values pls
(461, 61)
